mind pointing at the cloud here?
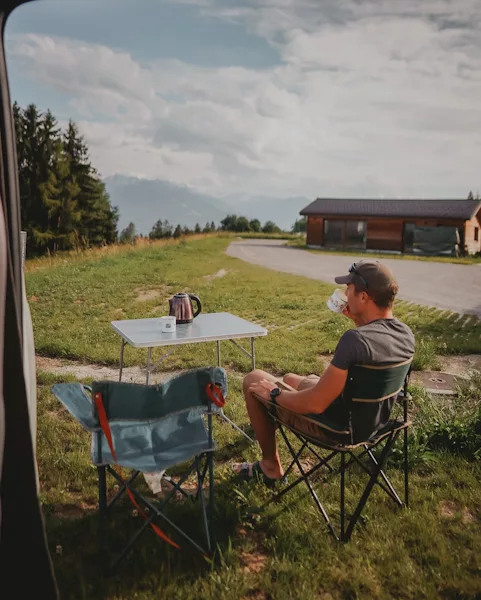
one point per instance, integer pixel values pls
(370, 98)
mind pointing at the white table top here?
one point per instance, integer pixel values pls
(207, 327)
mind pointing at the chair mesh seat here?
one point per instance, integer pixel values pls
(154, 445)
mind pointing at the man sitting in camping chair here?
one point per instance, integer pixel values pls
(378, 339)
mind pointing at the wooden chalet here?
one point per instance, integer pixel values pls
(389, 225)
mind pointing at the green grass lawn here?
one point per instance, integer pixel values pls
(73, 303)
(432, 550)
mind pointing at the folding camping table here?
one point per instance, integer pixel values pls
(207, 327)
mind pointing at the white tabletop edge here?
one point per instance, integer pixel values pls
(179, 342)
(261, 332)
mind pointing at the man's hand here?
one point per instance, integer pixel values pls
(263, 388)
(347, 312)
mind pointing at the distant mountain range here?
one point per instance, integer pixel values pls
(144, 201)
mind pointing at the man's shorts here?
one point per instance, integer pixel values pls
(304, 424)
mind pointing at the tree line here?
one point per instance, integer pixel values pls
(243, 224)
(163, 229)
(64, 203)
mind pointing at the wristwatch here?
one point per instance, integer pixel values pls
(274, 393)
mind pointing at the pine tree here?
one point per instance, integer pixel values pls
(58, 194)
(99, 219)
(167, 229)
(39, 154)
(161, 229)
(31, 210)
(63, 200)
(128, 235)
(177, 232)
(157, 230)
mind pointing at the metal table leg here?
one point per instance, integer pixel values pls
(149, 357)
(253, 354)
(221, 413)
(122, 346)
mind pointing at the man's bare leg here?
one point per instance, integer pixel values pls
(293, 380)
(300, 382)
(263, 425)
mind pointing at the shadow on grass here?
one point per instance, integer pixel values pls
(151, 564)
(236, 447)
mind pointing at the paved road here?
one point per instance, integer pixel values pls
(444, 285)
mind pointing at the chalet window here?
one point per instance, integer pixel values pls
(409, 237)
(351, 234)
(355, 234)
(476, 234)
(333, 232)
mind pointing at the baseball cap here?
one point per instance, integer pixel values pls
(375, 276)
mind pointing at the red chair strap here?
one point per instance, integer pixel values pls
(104, 423)
(215, 394)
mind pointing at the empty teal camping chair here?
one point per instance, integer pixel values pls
(356, 423)
(149, 429)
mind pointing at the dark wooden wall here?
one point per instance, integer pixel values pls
(315, 231)
(387, 234)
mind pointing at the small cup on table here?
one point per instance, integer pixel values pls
(167, 324)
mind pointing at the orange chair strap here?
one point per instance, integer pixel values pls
(104, 423)
(215, 394)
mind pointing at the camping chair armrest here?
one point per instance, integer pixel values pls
(77, 400)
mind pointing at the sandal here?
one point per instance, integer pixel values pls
(253, 472)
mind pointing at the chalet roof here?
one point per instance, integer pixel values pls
(418, 208)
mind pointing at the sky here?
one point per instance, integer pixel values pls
(340, 98)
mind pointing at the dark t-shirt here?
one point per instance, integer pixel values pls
(381, 342)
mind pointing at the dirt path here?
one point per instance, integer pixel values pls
(92, 371)
(454, 365)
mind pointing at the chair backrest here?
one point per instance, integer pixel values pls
(137, 402)
(77, 400)
(370, 393)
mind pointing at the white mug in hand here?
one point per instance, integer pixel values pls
(337, 302)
